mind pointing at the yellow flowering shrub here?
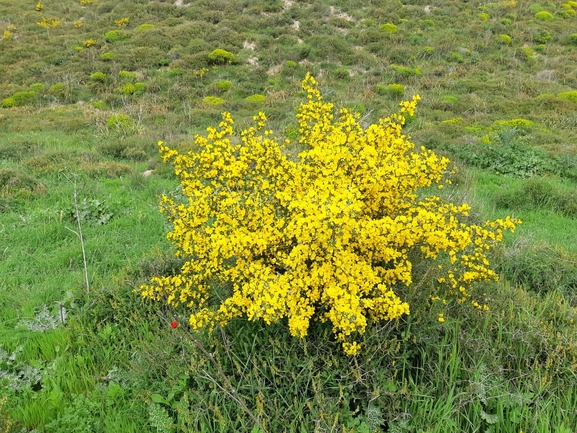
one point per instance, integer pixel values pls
(328, 236)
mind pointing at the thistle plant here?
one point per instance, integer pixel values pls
(332, 236)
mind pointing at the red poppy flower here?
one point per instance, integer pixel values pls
(173, 324)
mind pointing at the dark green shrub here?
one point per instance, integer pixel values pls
(153, 38)
(342, 73)
(146, 57)
(541, 36)
(193, 62)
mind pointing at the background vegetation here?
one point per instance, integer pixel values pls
(87, 88)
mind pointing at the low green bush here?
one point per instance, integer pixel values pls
(99, 77)
(127, 75)
(120, 122)
(544, 16)
(213, 100)
(223, 85)
(220, 56)
(570, 95)
(407, 71)
(389, 28)
(542, 36)
(258, 98)
(107, 56)
(145, 27)
(115, 36)
(391, 90)
(9, 103)
(504, 39)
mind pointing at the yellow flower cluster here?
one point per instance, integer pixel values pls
(49, 23)
(122, 22)
(329, 236)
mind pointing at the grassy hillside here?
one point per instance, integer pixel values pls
(87, 89)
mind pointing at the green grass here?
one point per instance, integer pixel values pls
(114, 364)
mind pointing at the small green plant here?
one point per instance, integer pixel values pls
(114, 36)
(504, 39)
(258, 98)
(19, 99)
(145, 27)
(9, 103)
(535, 8)
(391, 90)
(342, 73)
(128, 89)
(100, 105)
(484, 17)
(573, 38)
(407, 71)
(98, 77)
(506, 22)
(175, 72)
(120, 122)
(542, 36)
(127, 75)
(213, 100)
(544, 16)
(221, 57)
(570, 95)
(91, 211)
(522, 125)
(291, 64)
(223, 85)
(566, 14)
(108, 56)
(389, 28)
